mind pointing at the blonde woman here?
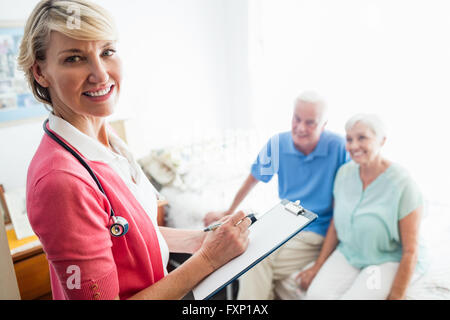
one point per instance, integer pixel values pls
(87, 199)
(372, 248)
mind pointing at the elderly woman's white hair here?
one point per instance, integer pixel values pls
(372, 121)
(314, 98)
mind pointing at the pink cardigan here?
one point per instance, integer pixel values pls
(71, 217)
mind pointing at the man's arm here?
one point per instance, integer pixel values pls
(246, 187)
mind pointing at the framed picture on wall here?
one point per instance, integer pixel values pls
(17, 102)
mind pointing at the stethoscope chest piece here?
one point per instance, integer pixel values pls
(119, 226)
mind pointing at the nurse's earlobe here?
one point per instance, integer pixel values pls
(38, 76)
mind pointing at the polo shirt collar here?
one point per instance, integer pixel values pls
(321, 150)
(90, 148)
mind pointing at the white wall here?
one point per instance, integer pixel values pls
(185, 75)
(390, 57)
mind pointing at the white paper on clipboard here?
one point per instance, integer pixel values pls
(274, 229)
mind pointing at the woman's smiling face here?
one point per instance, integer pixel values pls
(363, 144)
(83, 77)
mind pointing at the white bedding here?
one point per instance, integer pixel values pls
(435, 284)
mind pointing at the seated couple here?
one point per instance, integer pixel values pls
(365, 243)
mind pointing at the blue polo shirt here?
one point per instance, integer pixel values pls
(309, 179)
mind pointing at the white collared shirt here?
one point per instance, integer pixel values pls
(122, 162)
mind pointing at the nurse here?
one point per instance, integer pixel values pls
(371, 250)
(70, 58)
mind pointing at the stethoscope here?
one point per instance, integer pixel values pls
(119, 225)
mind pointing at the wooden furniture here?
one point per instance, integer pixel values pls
(161, 218)
(33, 277)
(3, 207)
(9, 289)
(31, 266)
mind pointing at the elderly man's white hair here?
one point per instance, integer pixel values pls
(372, 121)
(314, 98)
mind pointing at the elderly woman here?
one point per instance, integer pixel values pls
(377, 210)
(88, 201)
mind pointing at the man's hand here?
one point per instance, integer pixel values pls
(306, 277)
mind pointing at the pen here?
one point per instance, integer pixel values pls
(214, 226)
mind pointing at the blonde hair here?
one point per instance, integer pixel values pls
(77, 19)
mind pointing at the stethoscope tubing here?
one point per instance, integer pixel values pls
(79, 158)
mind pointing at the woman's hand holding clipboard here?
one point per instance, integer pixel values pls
(279, 225)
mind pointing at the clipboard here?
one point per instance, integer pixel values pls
(273, 229)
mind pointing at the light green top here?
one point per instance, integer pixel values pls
(367, 221)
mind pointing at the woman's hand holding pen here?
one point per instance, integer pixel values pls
(226, 242)
(213, 216)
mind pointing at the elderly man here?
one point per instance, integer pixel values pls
(306, 161)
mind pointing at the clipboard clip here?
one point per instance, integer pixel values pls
(293, 207)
